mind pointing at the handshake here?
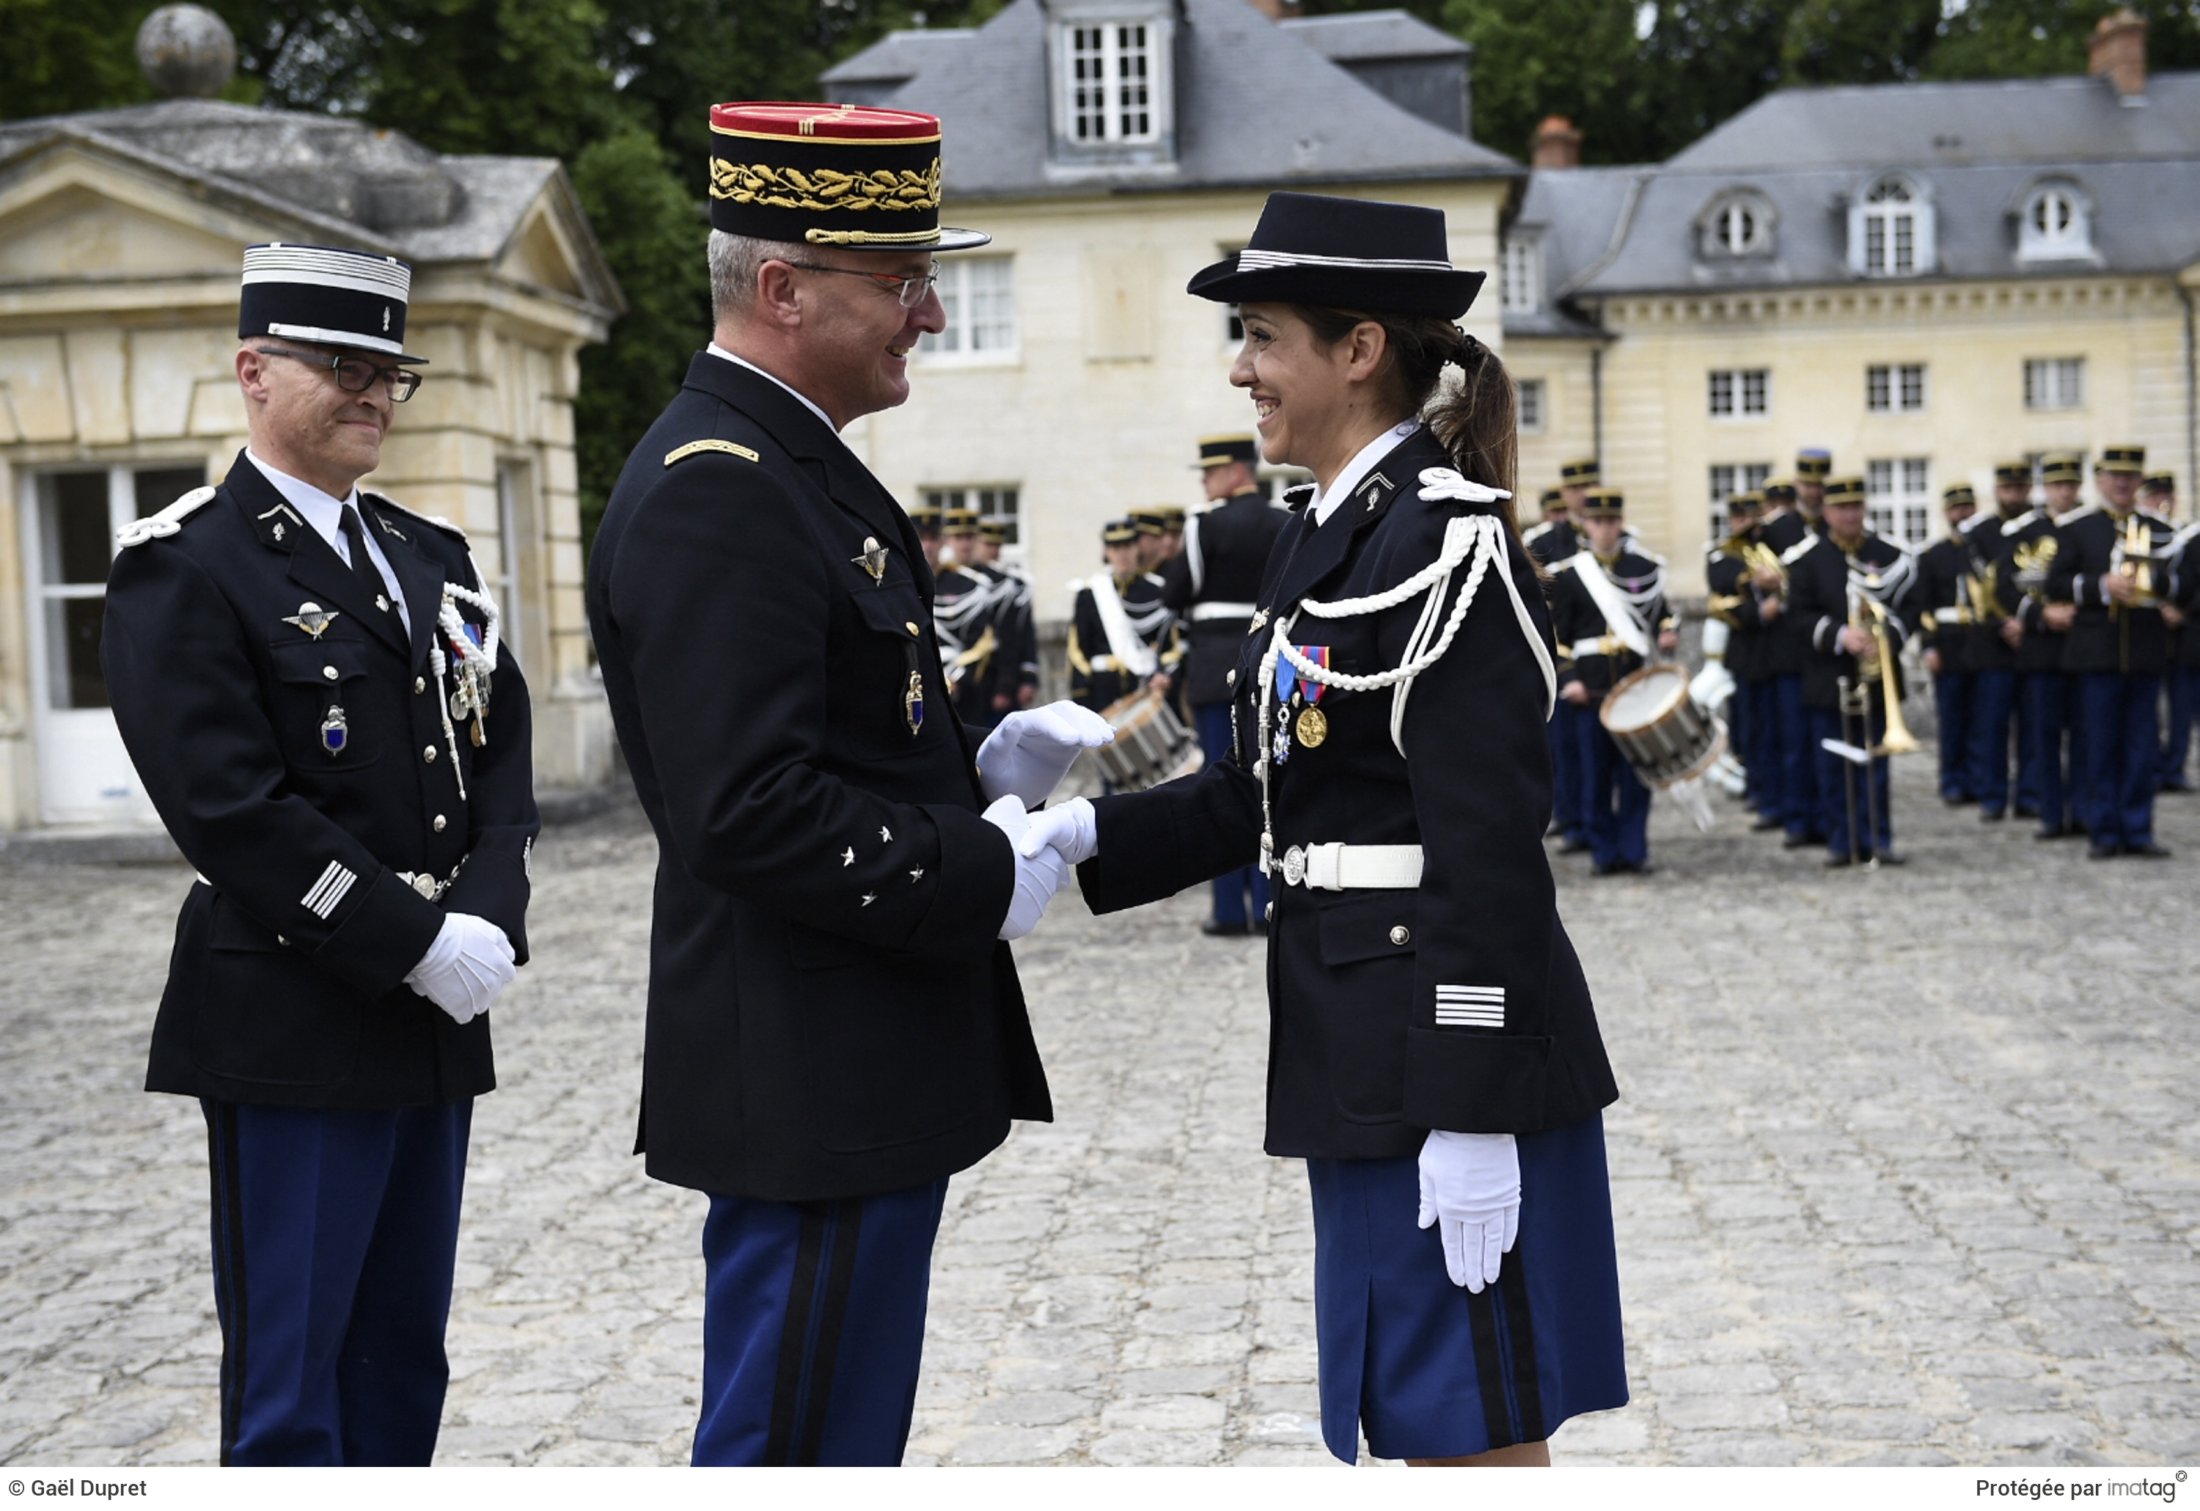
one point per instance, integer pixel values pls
(1019, 766)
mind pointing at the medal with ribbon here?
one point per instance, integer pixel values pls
(1295, 698)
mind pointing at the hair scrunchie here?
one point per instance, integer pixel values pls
(1466, 353)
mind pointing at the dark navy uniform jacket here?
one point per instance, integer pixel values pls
(1097, 677)
(1818, 583)
(1551, 542)
(1226, 550)
(1787, 643)
(1732, 600)
(2185, 588)
(1946, 613)
(1358, 1065)
(286, 984)
(2108, 637)
(830, 1013)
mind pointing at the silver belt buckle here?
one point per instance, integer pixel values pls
(1294, 866)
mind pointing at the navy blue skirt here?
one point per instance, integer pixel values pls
(1432, 1371)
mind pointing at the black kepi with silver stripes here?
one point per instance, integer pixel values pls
(1347, 254)
(327, 296)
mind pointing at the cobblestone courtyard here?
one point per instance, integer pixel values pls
(1905, 1172)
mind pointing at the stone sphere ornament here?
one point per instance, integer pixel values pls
(186, 52)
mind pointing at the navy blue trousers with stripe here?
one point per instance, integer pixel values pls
(334, 1239)
(813, 1327)
(1431, 1370)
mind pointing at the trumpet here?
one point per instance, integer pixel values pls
(1868, 614)
(2136, 562)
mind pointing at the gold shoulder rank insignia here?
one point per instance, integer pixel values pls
(694, 448)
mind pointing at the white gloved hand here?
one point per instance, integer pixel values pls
(1031, 750)
(1470, 1182)
(470, 962)
(1038, 877)
(1068, 828)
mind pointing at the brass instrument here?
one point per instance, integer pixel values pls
(1897, 739)
(2137, 564)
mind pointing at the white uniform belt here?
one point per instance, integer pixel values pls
(1223, 610)
(1340, 868)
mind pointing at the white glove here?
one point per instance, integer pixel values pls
(1470, 1182)
(1068, 828)
(1038, 877)
(468, 965)
(1031, 750)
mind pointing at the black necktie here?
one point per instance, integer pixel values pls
(362, 565)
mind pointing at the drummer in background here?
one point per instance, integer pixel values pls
(1607, 609)
(1945, 599)
(1213, 584)
(1121, 635)
(1550, 542)
(1826, 578)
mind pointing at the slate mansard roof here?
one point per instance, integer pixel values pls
(1974, 152)
(1256, 104)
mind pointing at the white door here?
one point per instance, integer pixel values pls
(70, 519)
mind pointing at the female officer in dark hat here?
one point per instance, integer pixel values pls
(1434, 1056)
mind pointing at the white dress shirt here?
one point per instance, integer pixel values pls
(325, 514)
(1363, 462)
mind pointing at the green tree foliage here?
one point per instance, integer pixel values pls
(1534, 58)
(62, 55)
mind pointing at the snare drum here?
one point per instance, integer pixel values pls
(1665, 734)
(1151, 746)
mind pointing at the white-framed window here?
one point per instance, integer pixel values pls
(2055, 224)
(999, 502)
(1520, 272)
(1112, 84)
(1532, 412)
(2054, 382)
(1728, 479)
(1737, 225)
(979, 294)
(77, 514)
(1741, 393)
(515, 514)
(1894, 387)
(1891, 230)
(1898, 498)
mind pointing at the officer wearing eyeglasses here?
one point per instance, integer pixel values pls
(310, 681)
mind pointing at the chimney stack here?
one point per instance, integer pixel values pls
(1556, 145)
(1276, 10)
(2118, 52)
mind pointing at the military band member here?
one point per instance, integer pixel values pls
(2110, 566)
(1995, 633)
(311, 682)
(1172, 531)
(1608, 611)
(1121, 635)
(2158, 496)
(835, 1026)
(1569, 783)
(1788, 533)
(2028, 547)
(1745, 585)
(966, 616)
(1021, 635)
(1434, 1054)
(925, 520)
(1152, 537)
(1946, 601)
(1213, 585)
(1835, 580)
(1813, 466)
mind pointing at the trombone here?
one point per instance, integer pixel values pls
(1868, 614)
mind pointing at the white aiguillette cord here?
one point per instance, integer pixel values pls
(1482, 535)
(474, 663)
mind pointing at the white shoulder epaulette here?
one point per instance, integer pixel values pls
(2020, 521)
(1535, 533)
(2077, 514)
(437, 520)
(2160, 519)
(1564, 563)
(165, 523)
(1797, 551)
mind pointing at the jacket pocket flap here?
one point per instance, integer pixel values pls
(1367, 926)
(328, 662)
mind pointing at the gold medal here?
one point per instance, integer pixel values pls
(1313, 728)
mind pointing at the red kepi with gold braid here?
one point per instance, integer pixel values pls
(829, 175)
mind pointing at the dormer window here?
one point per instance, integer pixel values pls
(1111, 81)
(1520, 272)
(1736, 225)
(2055, 224)
(1891, 230)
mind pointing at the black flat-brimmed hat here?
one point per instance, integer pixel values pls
(331, 296)
(1359, 254)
